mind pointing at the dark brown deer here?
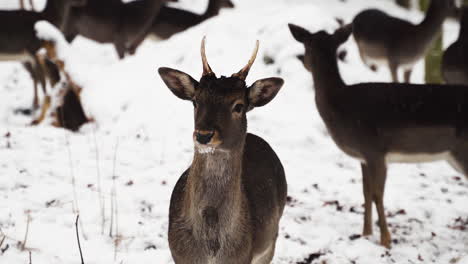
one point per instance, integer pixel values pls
(112, 21)
(455, 59)
(226, 207)
(18, 40)
(380, 123)
(383, 39)
(172, 20)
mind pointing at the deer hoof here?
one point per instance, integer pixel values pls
(386, 240)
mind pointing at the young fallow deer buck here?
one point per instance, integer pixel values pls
(226, 207)
(455, 59)
(112, 21)
(383, 39)
(18, 40)
(380, 123)
(172, 20)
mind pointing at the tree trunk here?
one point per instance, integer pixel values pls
(433, 60)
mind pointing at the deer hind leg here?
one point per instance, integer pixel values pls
(459, 159)
(39, 72)
(366, 184)
(31, 70)
(376, 177)
(393, 71)
(407, 75)
(32, 5)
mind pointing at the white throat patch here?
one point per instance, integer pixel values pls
(204, 149)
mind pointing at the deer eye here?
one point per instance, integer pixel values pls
(238, 108)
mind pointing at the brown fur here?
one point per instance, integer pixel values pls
(373, 122)
(171, 20)
(112, 21)
(226, 206)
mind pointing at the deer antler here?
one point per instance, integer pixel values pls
(242, 74)
(206, 67)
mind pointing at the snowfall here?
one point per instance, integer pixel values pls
(118, 172)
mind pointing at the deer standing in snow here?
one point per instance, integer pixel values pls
(226, 207)
(383, 39)
(381, 123)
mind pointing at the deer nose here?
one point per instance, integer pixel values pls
(204, 136)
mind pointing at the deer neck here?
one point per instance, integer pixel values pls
(56, 11)
(326, 74)
(215, 202)
(431, 24)
(212, 10)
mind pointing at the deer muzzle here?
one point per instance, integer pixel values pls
(203, 136)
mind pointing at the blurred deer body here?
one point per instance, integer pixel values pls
(171, 20)
(455, 59)
(62, 104)
(18, 40)
(226, 207)
(383, 39)
(111, 21)
(380, 123)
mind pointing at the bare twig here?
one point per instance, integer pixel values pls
(3, 240)
(30, 259)
(23, 244)
(78, 238)
(114, 212)
(76, 207)
(99, 189)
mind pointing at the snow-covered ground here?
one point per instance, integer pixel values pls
(141, 142)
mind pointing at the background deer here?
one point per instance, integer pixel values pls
(112, 21)
(226, 206)
(383, 39)
(64, 104)
(172, 20)
(380, 123)
(455, 59)
(18, 40)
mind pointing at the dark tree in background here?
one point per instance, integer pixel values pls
(434, 56)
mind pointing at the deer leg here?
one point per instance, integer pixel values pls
(366, 184)
(21, 3)
(30, 69)
(394, 71)
(378, 174)
(119, 44)
(407, 75)
(459, 159)
(39, 71)
(32, 5)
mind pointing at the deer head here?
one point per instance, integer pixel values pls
(220, 104)
(320, 43)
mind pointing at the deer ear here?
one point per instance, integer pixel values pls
(181, 84)
(342, 34)
(263, 91)
(299, 33)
